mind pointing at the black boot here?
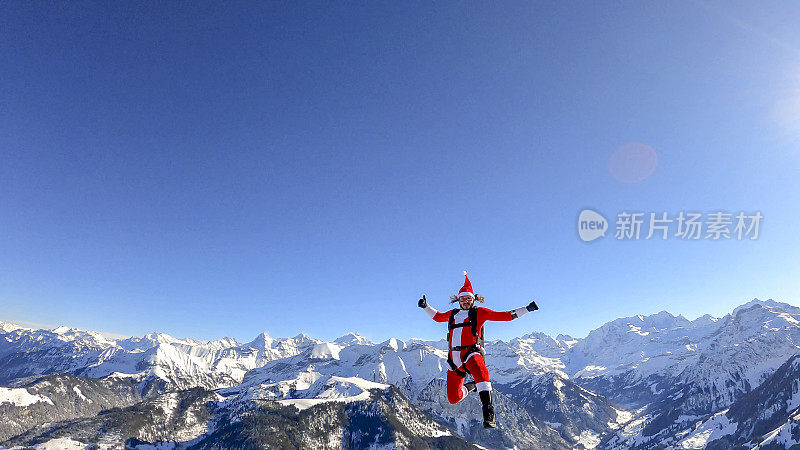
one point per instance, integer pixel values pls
(488, 409)
(470, 385)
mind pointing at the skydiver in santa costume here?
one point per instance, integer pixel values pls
(465, 340)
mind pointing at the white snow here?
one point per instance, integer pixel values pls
(63, 443)
(590, 371)
(62, 329)
(714, 428)
(621, 419)
(80, 394)
(124, 375)
(352, 339)
(20, 397)
(392, 343)
(781, 436)
(637, 330)
(326, 350)
(6, 327)
(337, 389)
(589, 439)
(168, 402)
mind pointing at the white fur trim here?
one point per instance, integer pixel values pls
(484, 386)
(460, 317)
(432, 312)
(466, 294)
(455, 355)
(465, 273)
(470, 356)
(521, 311)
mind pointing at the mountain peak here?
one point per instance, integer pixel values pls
(565, 338)
(705, 319)
(352, 339)
(302, 337)
(393, 343)
(769, 303)
(262, 341)
(162, 338)
(536, 335)
(662, 320)
(226, 342)
(6, 327)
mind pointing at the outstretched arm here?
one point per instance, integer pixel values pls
(435, 315)
(504, 316)
(519, 312)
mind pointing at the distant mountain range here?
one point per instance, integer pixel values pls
(643, 382)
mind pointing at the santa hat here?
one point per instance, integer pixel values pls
(466, 290)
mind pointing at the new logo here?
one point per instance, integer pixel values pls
(591, 225)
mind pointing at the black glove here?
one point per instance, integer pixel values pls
(423, 302)
(532, 306)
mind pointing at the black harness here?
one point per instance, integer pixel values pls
(472, 322)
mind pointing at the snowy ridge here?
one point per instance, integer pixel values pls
(181, 363)
(351, 389)
(6, 327)
(20, 397)
(668, 380)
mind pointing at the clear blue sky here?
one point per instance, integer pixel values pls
(221, 169)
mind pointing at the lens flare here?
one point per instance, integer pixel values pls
(633, 162)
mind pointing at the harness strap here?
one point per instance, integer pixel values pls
(473, 347)
(472, 322)
(457, 370)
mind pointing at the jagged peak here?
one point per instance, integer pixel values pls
(536, 335)
(302, 337)
(226, 341)
(62, 329)
(765, 304)
(352, 339)
(162, 338)
(393, 343)
(5, 327)
(261, 341)
(705, 319)
(659, 321)
(159, 339)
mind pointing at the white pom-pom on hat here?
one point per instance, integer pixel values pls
(466, 290)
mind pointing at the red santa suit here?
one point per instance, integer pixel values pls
(468, 358)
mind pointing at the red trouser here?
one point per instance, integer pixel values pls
(455, 383)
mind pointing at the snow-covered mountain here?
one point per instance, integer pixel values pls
(701, 366)
(768, 416)
(639, 381)
(156, 359)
